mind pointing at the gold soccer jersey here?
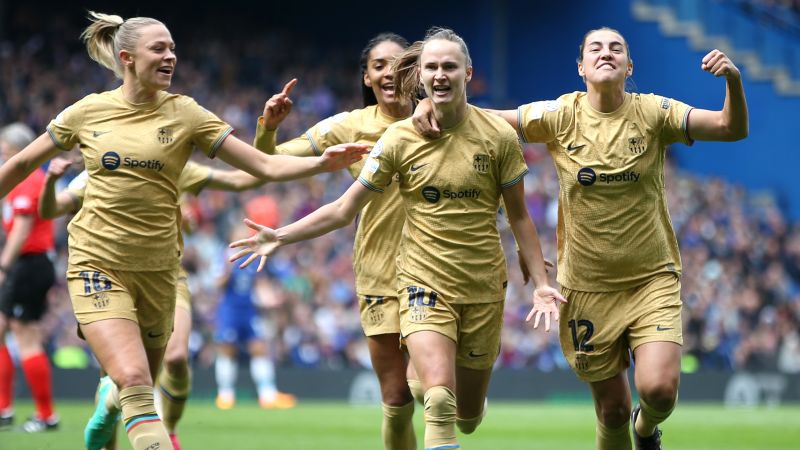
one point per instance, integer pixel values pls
(451, 190)
(381, 221)
(134, 154)
(614, 230)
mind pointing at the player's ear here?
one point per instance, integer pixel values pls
(367, 81)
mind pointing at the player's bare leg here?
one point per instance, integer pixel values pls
(414, 385)
(118, 346)
(657, 376)
(433, 356)
(174, 381)
(389, 362)
(472, 386)
(612, 405)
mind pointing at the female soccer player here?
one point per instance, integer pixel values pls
(618, 261)
(124, 249)
(174, 380)
(378, 234)
(451, 269)
(26, 275)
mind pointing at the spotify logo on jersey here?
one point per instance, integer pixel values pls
(431, 194)
(586, 176)
(110, 160)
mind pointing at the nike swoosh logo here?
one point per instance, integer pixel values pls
(415, 167)
(472, 354)
(99, 133)
(660, 328)
(150, 334)
(572, 148)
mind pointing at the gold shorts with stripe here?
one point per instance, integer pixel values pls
(147, 298)
(598, 329)
(379, 314)
(474, 327)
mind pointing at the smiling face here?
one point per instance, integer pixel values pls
(605, 58)
(152, 64)
(378, 75)
(444, 72)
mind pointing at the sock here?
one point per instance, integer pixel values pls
(613, 438)
(6, 379)
(398, 428)
(112, 400)
(416, 391)
(37, 374)
(144, 428)
(440, 419)
(648, 418)
(174, 392)
(225, 369)
(263, 372)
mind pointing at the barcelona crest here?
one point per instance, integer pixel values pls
(481, 163)
(164, 135)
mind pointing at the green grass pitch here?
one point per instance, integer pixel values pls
(508, 426)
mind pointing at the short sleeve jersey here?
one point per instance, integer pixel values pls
(381, 221)
(24, 200)
(451, 190)
(134, 154)
(614, 229)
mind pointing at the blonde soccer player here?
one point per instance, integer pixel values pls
(379, 226)
(124, 249)
(174, 380)
(618, 262)
(451, 267)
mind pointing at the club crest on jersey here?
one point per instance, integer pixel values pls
(636, 145)
(581, 362)
(100, 300)
(480, 162)
(164, 135)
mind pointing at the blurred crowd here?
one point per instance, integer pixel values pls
(741, 255)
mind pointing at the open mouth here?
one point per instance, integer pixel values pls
(608, 65)
(441, 90)
(166, 70)
(388, 88)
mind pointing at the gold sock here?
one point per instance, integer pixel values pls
(144, 428)
(649, 418)
(398, 428)
(613, 438)
(440, 418)
(174, 392)
(416, 391)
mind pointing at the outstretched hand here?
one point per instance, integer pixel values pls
(718, 64)
(546, 302)
(58, 167)
(261, 244)
(424, 121)
(338, 157)
(278, 107)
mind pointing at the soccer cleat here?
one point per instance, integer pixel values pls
(37, 425)
(101, 425)
(6, 421)
(281, 401)
(644, 443)
(176, 444)
(225, 401)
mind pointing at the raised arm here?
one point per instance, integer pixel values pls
(52, 205)
(19, 166)
(545, 298)
(731, 123)
(322, 221)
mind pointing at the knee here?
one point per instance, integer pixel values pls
(176, 363)
(130, 375)
(396, 394)
(660, 396)
(468, 426)
(440, 405)
(614, 414)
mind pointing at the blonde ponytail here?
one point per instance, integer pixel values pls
(108, 34)
(406, 71)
